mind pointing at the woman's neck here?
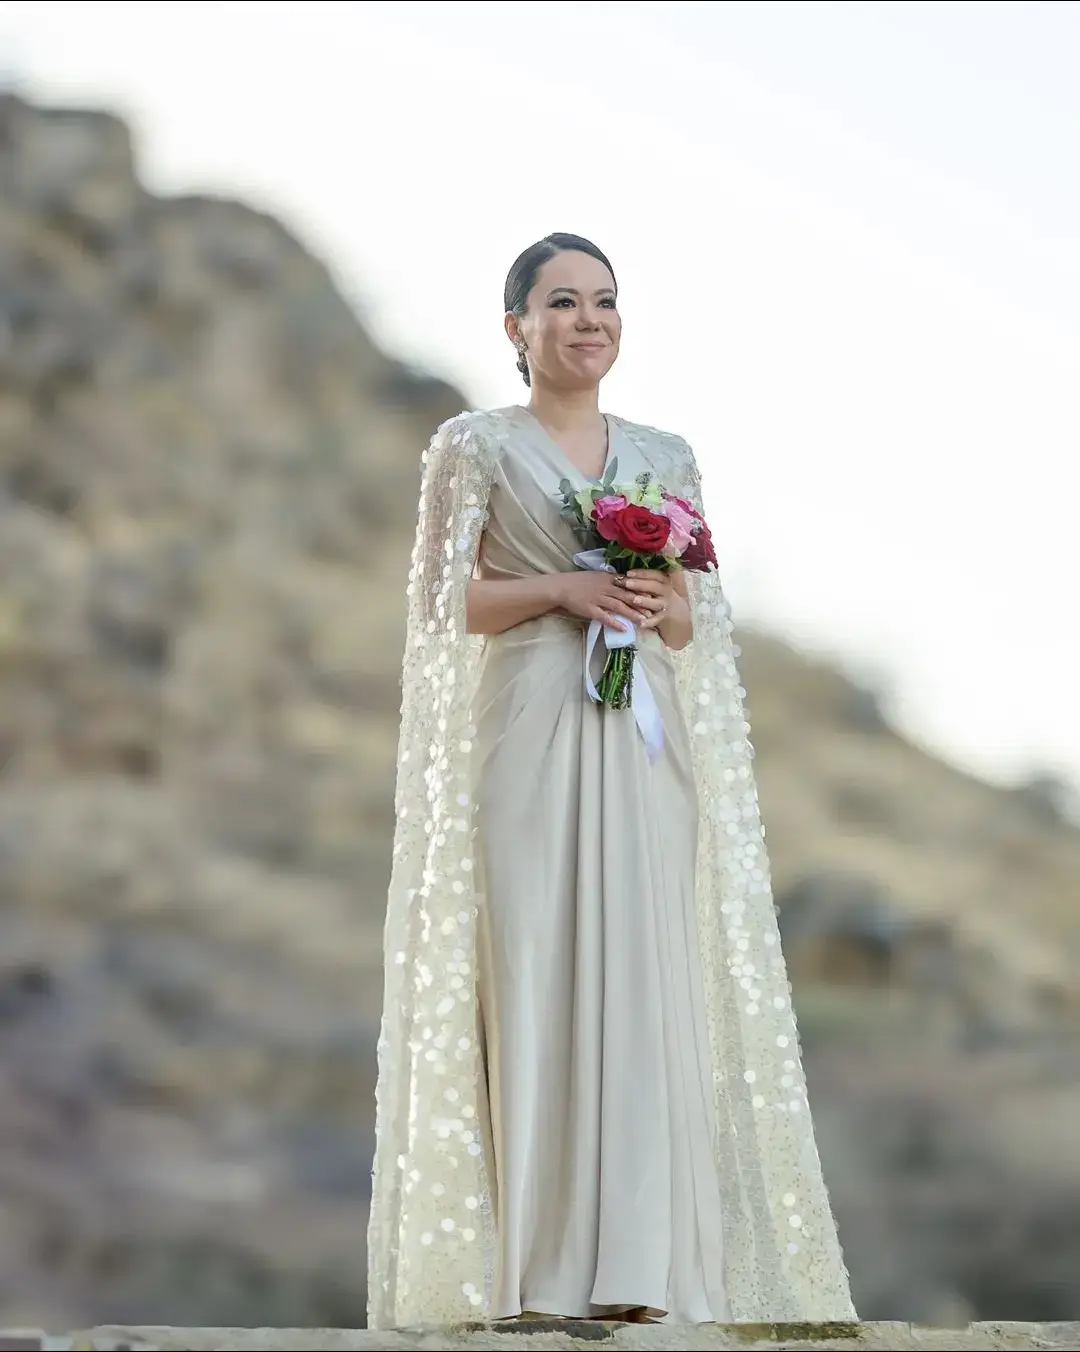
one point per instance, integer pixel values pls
(561, 411)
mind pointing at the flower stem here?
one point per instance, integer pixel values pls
(617, 683)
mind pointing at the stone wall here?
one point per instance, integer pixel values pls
(568, 1335)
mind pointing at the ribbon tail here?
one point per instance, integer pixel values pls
(613, 638)
(591, 637)
(642, 701)
(646, 713)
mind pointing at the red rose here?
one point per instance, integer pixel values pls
(640, 530)
(699, 555)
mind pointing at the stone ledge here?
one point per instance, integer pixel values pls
(555, 1334)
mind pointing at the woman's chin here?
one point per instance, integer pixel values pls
(589, 372)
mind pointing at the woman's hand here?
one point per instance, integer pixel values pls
(663, 604)
(589, 595)
(652, 592)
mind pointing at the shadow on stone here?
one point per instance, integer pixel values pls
(585, 1329)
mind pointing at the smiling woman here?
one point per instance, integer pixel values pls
(572, 330)
(590, 1097)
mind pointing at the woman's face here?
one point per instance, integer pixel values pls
(570, 327)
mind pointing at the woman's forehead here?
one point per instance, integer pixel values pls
(575, 271)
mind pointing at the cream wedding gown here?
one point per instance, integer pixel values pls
(590, 1093)
(596, 1040)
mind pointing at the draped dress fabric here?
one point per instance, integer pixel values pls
(603, 1168)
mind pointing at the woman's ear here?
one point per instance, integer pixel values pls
(513, 328)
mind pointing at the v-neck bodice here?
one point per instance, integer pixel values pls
(542, 431)
(526, 532)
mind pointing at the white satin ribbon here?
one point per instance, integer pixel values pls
(642, 701)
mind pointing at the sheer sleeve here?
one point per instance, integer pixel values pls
(454, 488)
(430, 1213)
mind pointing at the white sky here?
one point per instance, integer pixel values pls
(848, 243)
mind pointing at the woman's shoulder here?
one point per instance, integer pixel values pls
(655, 442)
(667, 454)
(475, 432)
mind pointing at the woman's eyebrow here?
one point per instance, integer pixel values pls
(573, 291)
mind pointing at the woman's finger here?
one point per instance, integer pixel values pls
(653, 586)
(619, 606)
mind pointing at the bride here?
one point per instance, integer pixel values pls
(590, 1098)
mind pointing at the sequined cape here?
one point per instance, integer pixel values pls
(431, 1228)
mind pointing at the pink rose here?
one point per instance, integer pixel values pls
(682, 527)
(604, 513)
(700, 554)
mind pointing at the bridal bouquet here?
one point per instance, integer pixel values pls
(625, 526)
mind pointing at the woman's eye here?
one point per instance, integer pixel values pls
(609, 301)
(562, 300)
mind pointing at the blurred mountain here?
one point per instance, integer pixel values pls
(208, 479)
(208, 476)
(932, 928)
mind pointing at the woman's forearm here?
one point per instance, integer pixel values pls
(493, 606)
(677, 626)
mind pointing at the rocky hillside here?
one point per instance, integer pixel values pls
(932, 925)
(208, 477)
(207, 483)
